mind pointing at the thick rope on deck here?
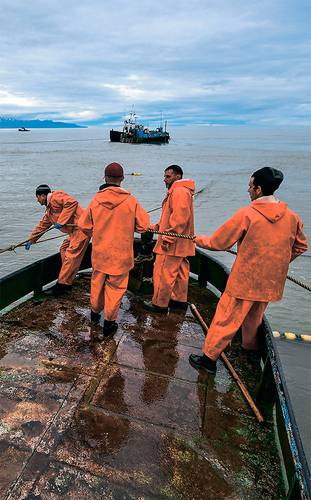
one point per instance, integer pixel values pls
(174, 235)
(162, 233)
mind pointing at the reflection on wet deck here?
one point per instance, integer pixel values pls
(85, 418)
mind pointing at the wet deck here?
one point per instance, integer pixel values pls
(125, 418)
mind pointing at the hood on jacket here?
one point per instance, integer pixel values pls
(186, 183)
(111, 197)
(273, 212)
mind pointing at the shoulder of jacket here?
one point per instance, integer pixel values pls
(181, 191)
(242, 212)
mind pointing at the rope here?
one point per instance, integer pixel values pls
(300, 283)
(162, 233)
(22, 243)
(167, 233)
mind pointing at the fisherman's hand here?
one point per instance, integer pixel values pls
(57, 225)
(28, 245)
(154, 227)
(166, 242)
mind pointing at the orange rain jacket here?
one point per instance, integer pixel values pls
(61, 208)
(177, 216)
(112, 217)
(269, 236)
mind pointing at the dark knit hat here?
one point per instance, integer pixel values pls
(114, 170)
(43, 189)
(268, 177)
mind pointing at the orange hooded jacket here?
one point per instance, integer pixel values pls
(112, 217)
(177, 216)
(269, 236)
(61, 208)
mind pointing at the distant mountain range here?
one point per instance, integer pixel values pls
(6, 122)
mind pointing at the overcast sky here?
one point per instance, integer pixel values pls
(197, 61)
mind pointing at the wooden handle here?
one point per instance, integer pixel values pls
(234, 374)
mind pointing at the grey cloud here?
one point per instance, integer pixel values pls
(189, 57)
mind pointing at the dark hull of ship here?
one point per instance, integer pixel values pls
(116, 136)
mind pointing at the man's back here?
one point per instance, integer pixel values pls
(269, 235)
(113, 215)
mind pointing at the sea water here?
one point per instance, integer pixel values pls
(219, 159)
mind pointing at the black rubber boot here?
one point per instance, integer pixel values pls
(95, 317)
(60, 289)
(110, 327)
(176, 304)
(153, 308)
(203, 363)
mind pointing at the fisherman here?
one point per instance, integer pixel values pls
(111, 217)
(63, 212)
(269, 236)
(171, 268)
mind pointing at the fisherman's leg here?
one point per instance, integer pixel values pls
(180, 289)
(115, 288)
(250, 326)
(63, 248)
(229, 316)
(164, 276)
(73, 257)
(97, 291)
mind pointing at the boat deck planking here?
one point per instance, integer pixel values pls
(126, 417)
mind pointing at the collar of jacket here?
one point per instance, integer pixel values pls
(106, 185)
(48, 198)
(186, 183)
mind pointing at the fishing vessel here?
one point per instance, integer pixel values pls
(24, 129)
(127, 417)
(135, 133)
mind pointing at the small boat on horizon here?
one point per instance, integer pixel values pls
(135, 133)
(23, 129)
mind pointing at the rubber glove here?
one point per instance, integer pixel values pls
(28, 245)
(57, 225)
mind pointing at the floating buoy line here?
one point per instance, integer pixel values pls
(302, 337)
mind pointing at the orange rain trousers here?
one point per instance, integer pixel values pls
(72, 252)
(230, 315)
(107, 292)
(170, 279)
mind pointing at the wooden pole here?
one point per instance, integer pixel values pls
(234, 374)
